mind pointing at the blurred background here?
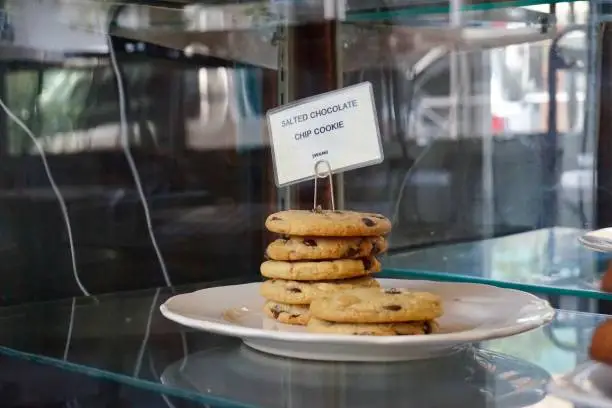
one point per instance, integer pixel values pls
(483, 137)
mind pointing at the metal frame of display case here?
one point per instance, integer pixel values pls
(557, 63)
(604, 127)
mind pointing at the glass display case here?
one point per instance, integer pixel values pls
(137, 163)
(464, 110)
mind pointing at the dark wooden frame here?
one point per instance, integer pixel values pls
(314, 70)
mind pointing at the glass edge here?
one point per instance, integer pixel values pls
(376, 16)
(122, 378)
(357, 16)
(397, 273)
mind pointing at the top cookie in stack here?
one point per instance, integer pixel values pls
(319, 252)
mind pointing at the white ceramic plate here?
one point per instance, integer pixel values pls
(598, 240)
(589, 385)
(473, 313)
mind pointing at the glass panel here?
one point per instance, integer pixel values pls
(457, 170)
(488, 151)
(465, 116)
(543, 261)
(122, 337)
(164, 199)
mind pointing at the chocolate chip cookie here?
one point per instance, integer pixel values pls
(376, 306)
(318, 248)
(601, 343)
(327, 223)
(320, 270)
(288, 314)
(302, 292)
(316, 325)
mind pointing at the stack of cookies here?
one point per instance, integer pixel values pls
(375, 312)
(319, 252)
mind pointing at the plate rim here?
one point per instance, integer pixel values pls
(545, 314)
(593, 246)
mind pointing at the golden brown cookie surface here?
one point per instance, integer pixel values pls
(302, 292)
(296, 248)
(288, 314)
(377, 306)
(327, 223)
(316, 325)
(601, 343)
(319, 270)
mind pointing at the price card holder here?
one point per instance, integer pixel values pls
(318, 175)
(338, 127)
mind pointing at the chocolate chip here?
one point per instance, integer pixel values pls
(276, 219)
(367, 264)
(295, 315)
(375, 249)
(393, 291)
(310, 242)
(294, 290)
(393, 308)
(368, 222)
(427, 328)
(276, 311)
(352, 252)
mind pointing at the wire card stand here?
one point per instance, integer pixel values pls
(322, 174)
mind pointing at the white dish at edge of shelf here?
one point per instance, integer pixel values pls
(473, 313)
(599, 240)
(589, 385)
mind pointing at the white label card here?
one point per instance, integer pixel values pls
(340, 127)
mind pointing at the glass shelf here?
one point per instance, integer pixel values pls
(436, 8)
(123, 338)
(247, 33)
(273, 13)
(547, 261)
